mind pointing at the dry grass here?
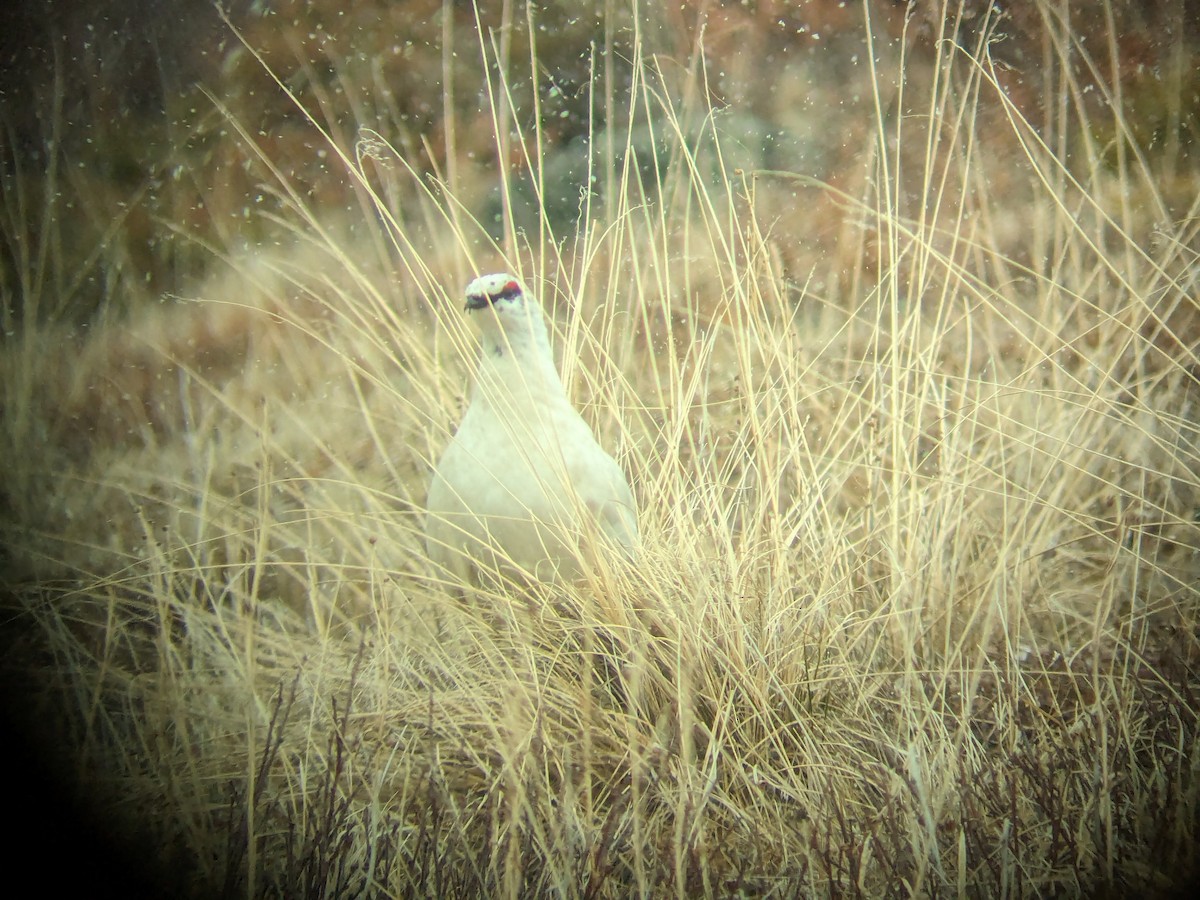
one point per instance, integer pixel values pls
(917, 608)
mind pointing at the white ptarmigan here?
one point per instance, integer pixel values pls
(523, 482)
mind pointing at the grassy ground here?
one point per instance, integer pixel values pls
(904, 377)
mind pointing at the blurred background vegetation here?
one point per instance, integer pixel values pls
(122, 109)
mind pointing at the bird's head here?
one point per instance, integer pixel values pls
(509, 318)
(501, 291)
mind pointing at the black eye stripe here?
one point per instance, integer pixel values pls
(508, 292)
(480, 299)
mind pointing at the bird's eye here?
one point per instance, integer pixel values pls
(509, 291)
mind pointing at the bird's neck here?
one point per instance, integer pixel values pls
(517, 362)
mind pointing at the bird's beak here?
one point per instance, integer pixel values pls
(476, 301)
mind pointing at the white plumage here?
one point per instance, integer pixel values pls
(523, 482)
